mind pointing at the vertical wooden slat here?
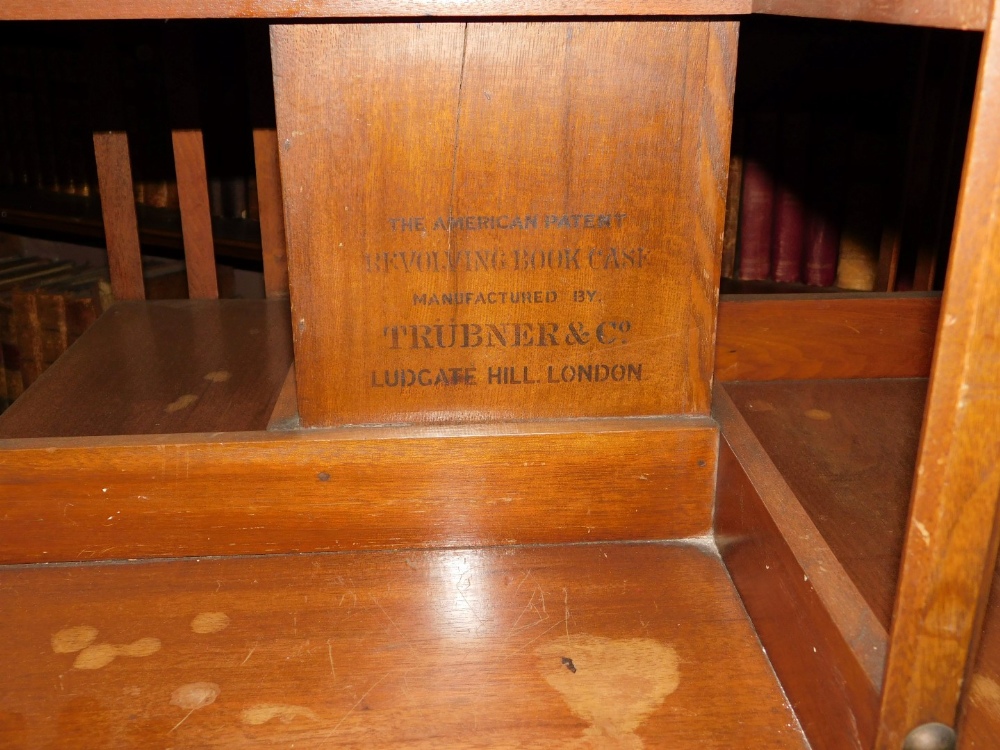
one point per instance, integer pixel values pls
(272, 220)
(268, 172)
(189, 163)
(114, 178)
(951, 539)
(196, 216)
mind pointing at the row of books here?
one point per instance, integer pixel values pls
(46, 305)
(806, 202)
(47, 84)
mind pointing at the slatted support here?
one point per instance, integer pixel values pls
(114, 179)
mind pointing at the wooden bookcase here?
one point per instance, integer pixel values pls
(210, 539)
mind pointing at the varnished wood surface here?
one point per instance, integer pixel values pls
(824, 641)
(951, 14)
(162, 367)
(979, 723)
(272, 219)
(797, 337)
(114, 176)
(356, 488)
(15, 10)
(847, 449)
(595, 152)
(610, 646)
(956, 14)
(951, 542)
(196, 215)
(285, 414)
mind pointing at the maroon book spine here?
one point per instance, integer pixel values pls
(823, 217)
(757, 206)
(788, 234)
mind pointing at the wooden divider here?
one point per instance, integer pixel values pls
(800, 336)
(361, 488)
(825, 643)
(114, 178)
(951, 543)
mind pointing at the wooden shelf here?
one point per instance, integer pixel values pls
(847, 449)
(956, 14)
(162, 367)
(565, 646)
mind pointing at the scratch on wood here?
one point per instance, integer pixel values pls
(351, 710)
(252, 649)
(329, 653)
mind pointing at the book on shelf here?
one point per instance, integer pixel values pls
(861, 235)
(757, 197)
(789, 223)
(823, 215)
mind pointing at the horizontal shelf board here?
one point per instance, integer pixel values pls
(824, 641)
(798, 336)
(356, 488)
(174, 366)
(553, 647)
(955, 14)
(847, 449)
(111, 9)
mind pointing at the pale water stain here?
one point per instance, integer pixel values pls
(264, 712)
(218, 376)
(209, 622)
(182, 402)
(985, 693)
(193, 696)
(616, 684)
(70, 640)
(759, 405)
(820, 415)
(96, 657)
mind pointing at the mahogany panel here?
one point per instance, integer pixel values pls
(979, 722)
(196, 215)
(847, 449)
(162, 367)
(796, 337)
(623, 646)
(272, 218)
(949, 14)
(356, 488)
(824, 642)
(951, 542)
(114, 179)
(23, 10)
(537, 209)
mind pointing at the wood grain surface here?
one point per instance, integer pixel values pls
(121, 233)
(20, 10)
(825, 643)
(516, 220)
(979, 722)
(798, 336)
(951, 541)
(356, 488)
(847, 449)
(196, 215)
(951, 14)
(162, 367)
(272, 218)
(587, 646)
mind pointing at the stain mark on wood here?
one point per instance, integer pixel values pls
(182, 402)
(568, 663)
(76, 638)
(617, 684)
(218, 376)
(101, 655)
(209, 622)
(265, 712)
(193, 696)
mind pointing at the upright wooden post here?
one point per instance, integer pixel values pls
(189, 164)
(951, 540)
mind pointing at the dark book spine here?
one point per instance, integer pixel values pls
(788, 234)
(823, 215)
(757, 199)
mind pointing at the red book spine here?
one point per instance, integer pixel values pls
(823, 217)
(788, 235)
(757, 206)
